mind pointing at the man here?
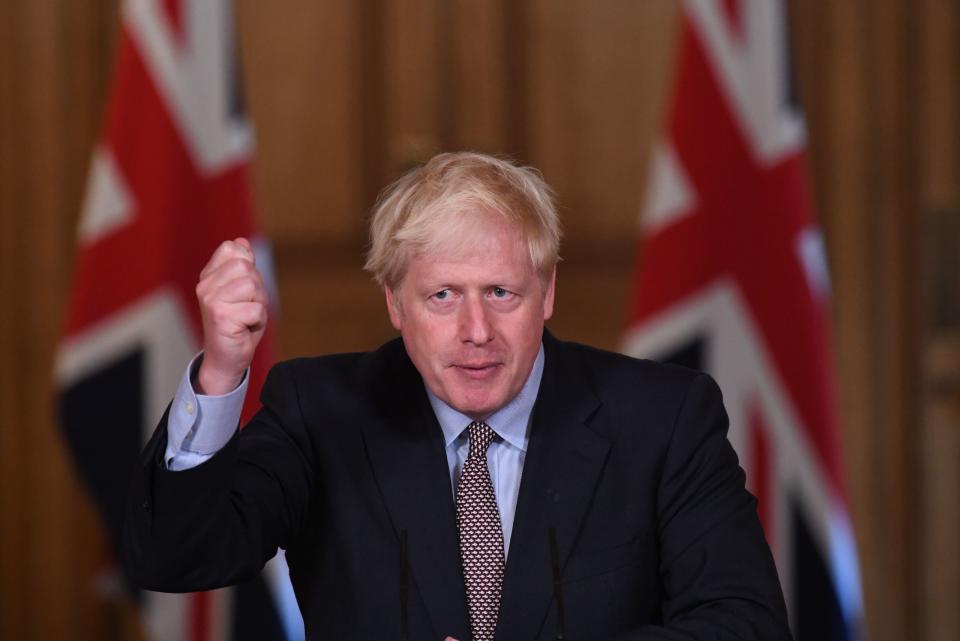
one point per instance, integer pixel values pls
(475, 478)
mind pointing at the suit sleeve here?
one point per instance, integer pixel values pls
(220, 522)
(716, 569)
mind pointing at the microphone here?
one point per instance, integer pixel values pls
(404, 582)
(557, 586)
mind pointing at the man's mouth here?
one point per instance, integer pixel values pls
(478, 371)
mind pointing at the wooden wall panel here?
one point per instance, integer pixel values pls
(938, 503)
(52, 94)
(938, 103)
(476, 74)
(413, 103)
(938, 96)
(892, 206)
(46, 520)
(597, 73)
(551, 73)
(13, 490)
(597, 76)
(317, 322)
(301, 66)
(833, 61)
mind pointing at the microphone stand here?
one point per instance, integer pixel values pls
(404, 583)
(557, 586)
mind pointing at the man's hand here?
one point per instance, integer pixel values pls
(233, 305)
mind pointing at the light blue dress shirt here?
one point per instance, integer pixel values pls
(506, 453)
(199, 425)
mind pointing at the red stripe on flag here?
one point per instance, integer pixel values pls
(761, 473)
(174, 11)
(734, 11)
(200, 606)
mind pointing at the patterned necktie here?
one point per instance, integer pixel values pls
(481, 537)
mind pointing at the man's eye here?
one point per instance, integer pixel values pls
(443, 294)
(500, 292)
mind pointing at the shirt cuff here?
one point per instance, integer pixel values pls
(199, 425)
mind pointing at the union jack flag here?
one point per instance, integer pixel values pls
(168, 182)
(733, 280)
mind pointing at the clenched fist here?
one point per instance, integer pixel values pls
(233, 305)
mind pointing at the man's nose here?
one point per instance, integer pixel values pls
(475, 326)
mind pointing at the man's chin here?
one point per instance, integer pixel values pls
(477, 408)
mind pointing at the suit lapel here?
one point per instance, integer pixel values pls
(406, 451)
(563, 464)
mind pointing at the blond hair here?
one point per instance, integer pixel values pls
(448, 198)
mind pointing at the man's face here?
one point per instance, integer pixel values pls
(472, 318)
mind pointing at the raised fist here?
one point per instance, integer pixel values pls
(233, 305)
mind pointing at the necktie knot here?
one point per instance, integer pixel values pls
(481, 436)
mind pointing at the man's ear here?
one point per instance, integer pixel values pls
(548, 294)
(393, 308)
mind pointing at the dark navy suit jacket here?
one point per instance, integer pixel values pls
(628, 463)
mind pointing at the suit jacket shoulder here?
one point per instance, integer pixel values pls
(640, 394)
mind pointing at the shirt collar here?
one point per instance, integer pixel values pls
(510, 422)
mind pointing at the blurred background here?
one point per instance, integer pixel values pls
(345, 95)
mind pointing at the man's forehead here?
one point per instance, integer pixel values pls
(471, 232)
(473, 254)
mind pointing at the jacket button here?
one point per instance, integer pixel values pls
(146, 506)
